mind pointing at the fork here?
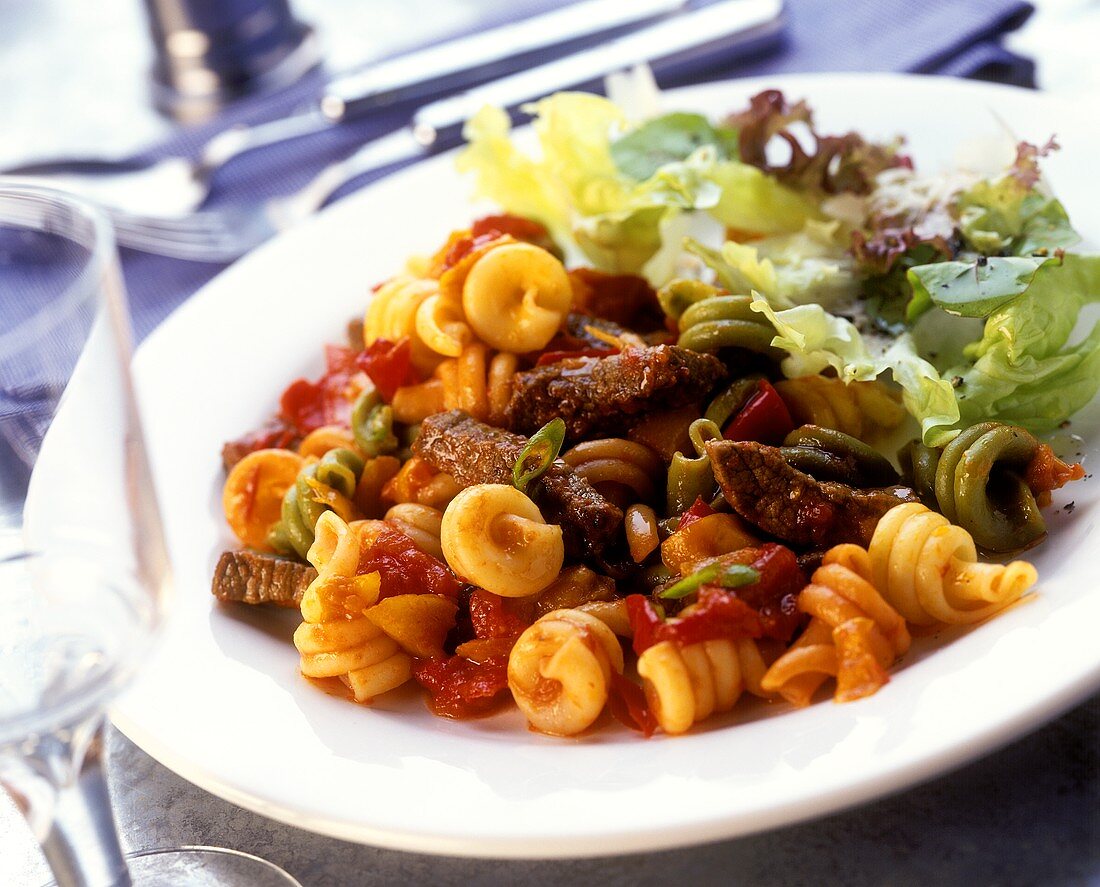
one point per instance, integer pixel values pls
(222, 235)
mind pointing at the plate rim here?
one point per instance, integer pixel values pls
(809, 805)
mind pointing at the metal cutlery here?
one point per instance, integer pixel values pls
(223, 235)
(174, 186)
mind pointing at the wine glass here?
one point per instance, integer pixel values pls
(84, 574)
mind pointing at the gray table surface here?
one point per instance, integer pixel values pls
(1027, 815)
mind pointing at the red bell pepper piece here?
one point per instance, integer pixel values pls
(629, 705)
(764, 418)
(698, 510)
(389, 365)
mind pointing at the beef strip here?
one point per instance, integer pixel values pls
(475, 453)
(761, 487)
(579, 326)
(249, 577)
(599, 395)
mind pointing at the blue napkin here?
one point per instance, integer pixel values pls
(950, 38)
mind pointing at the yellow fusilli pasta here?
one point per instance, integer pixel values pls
(928, 569)
(612, 462)
(854, 635)
(559, 671)
(421, 523)
(859, 409)
(685, 684)
(391, 314)
(495, 537)
(336, 639)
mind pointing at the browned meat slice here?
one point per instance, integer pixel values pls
(597, 395)
(249, 577)
(580, 326)
(475, 453)
(781, 500)
(619, 298)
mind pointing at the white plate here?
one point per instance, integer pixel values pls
(222, 703)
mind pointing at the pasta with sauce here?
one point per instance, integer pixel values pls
(588, 495)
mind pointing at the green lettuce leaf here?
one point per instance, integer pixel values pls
(1013, 214)
(972, 289)
(669, 138)
(616, 196)
(810, 265)
(1023, 368)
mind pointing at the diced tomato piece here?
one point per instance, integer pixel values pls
(698, 510)
(307, 406)
(774, 596)
(765, 608)
(389, 365)
(461, 688)
(492, 617)
(764, 418)
(629, 706)
(1046, 472)
(717, 614)
(405, 569)
(518, 227)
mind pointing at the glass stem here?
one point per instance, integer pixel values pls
(59, 785)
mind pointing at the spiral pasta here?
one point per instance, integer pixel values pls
(325, 485)
(418, 482)
(559, 671)
(253, 494)
(496, 537)
(723, 321)
(686, 684)
(516, 297)
(327, 437)
(612, 465)
(692, 478)
(859, 409)
(478, 385)
(441, 325)
(421, 523)
(336, 639)
(391, 314)
(927, 568)
(960, 481)
(854, 634)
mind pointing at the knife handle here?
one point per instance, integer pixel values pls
(486, 55)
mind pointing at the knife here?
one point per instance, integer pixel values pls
(487, 55)
(444, 67)
(694, 38)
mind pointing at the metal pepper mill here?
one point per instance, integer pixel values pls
(209, 52)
